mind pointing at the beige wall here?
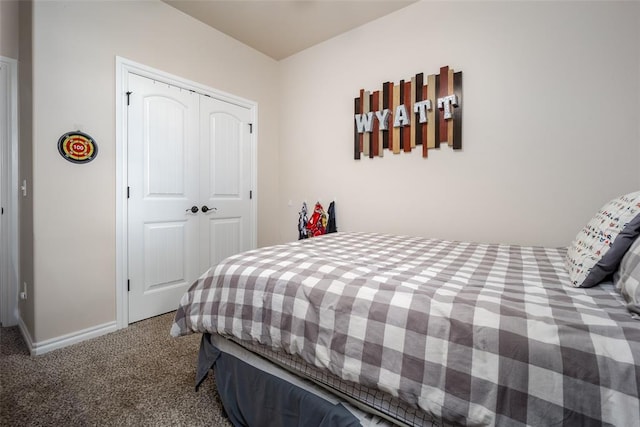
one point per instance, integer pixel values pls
(74, 88)
(550, 129)
(9, 28)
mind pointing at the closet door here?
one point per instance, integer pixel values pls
(190, 198)
(163, 235)
(225, 180)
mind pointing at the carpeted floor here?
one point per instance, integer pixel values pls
(138, 376)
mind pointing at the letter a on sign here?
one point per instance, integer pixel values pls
(402, 118)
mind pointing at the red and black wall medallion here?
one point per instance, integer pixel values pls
(77, 147)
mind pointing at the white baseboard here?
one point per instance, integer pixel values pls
(25, 334)
(42, 347)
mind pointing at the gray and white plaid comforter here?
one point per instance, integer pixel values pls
(477, 334)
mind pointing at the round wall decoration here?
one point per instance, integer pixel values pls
(77, 147)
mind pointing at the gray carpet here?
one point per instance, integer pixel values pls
(139, 376)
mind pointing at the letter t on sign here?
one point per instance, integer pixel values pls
(446, 103)
(422, 107)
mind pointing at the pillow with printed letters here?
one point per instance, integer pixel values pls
(598, 248)
(627, 278)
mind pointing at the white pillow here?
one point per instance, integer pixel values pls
(627, 278)
(598, 248)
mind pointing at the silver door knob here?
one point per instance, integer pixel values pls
(206, 209)
(193, 209)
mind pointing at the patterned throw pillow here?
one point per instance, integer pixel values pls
(598, 248)
(627, 278)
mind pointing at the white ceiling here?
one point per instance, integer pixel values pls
(281, 28)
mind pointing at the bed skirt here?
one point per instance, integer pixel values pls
(255, 392)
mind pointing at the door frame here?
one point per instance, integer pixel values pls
(9, 242)
(124, 67)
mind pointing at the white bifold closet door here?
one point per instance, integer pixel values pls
(189, 177)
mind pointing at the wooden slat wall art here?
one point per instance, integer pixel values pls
(442, 87)
(357, 137)
(387, 100)
(412, 125)
(406, 129)
(431, 115)
(424, 127)
(380, 132)
(367, 135)
(399, 116)
(450, 122)
(375, 106)
(436, 115)
(457, 112)
(418, 87)
(360, 111)
(403, 116)
(396, 130)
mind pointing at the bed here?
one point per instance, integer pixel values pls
(415, 331)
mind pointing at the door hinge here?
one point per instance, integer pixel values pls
(127, 192)
(128, 96)
(250, 194)
(250, 127)
(128, 285)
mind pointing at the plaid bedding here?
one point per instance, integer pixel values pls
(476, 334)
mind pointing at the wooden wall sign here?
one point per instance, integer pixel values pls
(412, 113)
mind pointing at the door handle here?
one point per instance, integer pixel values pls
(206, 209)
(193, 209)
